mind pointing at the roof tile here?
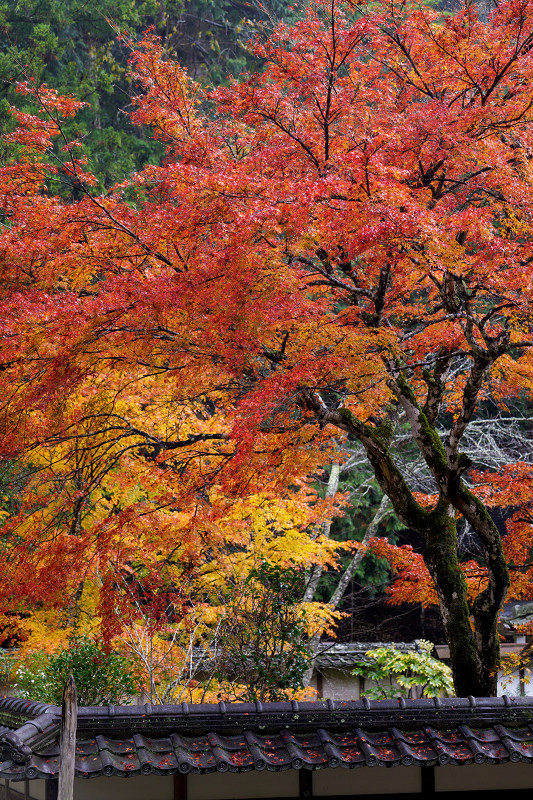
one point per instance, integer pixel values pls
(244, 736)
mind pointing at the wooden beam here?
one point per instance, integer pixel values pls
(180, 786)
(50, 789)
(305, 780)
(428, 781)
(67, 747)
(319, 684)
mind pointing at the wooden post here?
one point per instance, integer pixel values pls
(305, 781)
(180, 786)
(67, 748)
(427, 775)
(50, 789)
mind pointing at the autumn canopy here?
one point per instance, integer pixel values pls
(335, 248)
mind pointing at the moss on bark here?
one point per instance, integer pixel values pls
(471, 632)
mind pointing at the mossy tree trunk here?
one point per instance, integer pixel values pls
(470, 627)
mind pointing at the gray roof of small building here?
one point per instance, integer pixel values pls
(515, 614)
(336, 655)
(343, 655)
(239, 737)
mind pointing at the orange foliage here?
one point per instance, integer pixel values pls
(357, 212)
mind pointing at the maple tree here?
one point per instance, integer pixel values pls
(334, 249)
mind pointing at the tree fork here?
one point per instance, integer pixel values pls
(439, 530)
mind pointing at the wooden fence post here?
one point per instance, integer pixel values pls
(67, 748)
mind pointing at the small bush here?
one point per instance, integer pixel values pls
(404, 674)
(101, 677)
(264, 651)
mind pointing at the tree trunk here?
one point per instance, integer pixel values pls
(474, 649)
(471, 631)
(440, 557)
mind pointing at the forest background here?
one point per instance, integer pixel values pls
(287, 565)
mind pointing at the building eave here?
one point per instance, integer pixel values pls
(239, 737)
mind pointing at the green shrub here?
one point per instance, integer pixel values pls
(400, 673)
(264, 644)
(101, 677)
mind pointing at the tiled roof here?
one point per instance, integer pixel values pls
(515, 614)
(239, 737)
(340, 655)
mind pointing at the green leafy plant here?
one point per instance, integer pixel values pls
(409, 673)
(101, 677)
(264, 647)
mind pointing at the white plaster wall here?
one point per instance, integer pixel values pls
(511, 686)
(326, 782)
(242, 785)
(366, 780)
(338, 684)
(36, 788)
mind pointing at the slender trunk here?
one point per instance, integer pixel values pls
(316, 571)
(383, 510)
